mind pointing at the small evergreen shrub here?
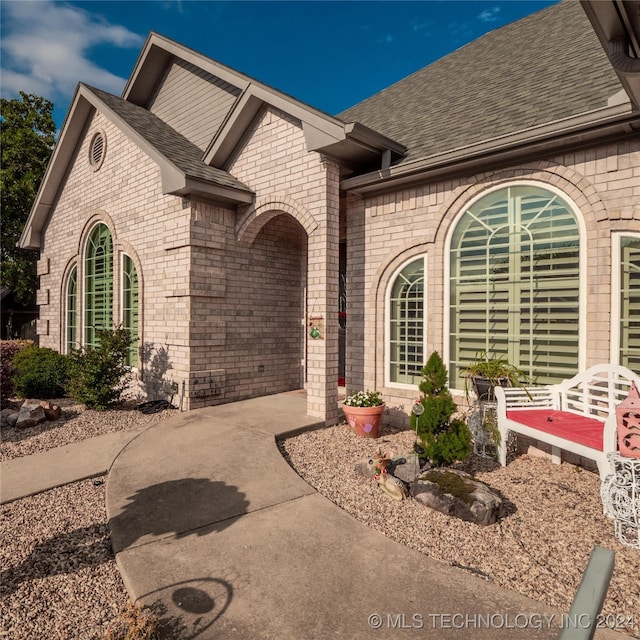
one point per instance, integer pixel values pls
(98, 377)
(40, 373)
(444, 439)
(8, 350)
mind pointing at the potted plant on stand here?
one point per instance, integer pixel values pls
(363, 411)
(485, 373)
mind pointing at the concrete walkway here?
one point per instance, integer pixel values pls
(213, 528)
(26, 476)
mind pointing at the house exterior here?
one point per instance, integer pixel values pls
(488, 202)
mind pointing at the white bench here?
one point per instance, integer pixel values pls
(577, 415)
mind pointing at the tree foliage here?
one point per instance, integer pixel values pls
(27, 137)
(444, 439)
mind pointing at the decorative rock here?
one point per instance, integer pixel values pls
(456, 493)
(406, 467)
(30, 414)
(6, 416)
(51, 411)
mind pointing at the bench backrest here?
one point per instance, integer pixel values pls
(597, 391)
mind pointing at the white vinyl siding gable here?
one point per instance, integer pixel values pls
(193, 102)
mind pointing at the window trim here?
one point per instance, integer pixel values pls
(387, 321)
(123, 256)
(71, 271)
(582, 264)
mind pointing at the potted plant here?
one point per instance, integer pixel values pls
(363, 411)
(485, 373)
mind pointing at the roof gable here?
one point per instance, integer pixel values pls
(350, 144)
(182, 169)
(192, 101)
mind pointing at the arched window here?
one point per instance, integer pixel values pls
(514, 283)
(71, 341)
(98, 284)
(130, 306)
(629, 352)
(406, 324)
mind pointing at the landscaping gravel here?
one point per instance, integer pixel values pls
(76, 423)
(59, 578)
(539, 550)
(60, 581)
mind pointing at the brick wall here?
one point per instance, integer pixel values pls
(125, 194)
(387, 230)
(287, 179)
(222, 292)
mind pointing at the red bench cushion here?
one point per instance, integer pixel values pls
(580, 429)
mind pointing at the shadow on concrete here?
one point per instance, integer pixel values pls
(180, 507)
(187, 609)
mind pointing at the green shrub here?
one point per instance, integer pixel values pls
(444, 439)
(40, 373)
(8, 350)
(98, 377)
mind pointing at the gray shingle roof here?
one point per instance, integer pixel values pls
(545, 67)
(185, 155)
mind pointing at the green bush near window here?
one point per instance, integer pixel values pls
(444, 439)
(98, 376)
(8, 350)
(40, 373)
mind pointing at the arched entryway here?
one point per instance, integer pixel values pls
(277, 270)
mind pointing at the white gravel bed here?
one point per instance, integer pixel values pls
(539, 550)
(59, 579)
(76, 423)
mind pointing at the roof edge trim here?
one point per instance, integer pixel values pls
(586, 125)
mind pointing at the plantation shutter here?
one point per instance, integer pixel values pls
(130, 306)
(515, 284)
(72, 310)
(406, 324)
(630, 303)
(98, 284)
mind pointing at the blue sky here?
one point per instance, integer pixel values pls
(328, 54)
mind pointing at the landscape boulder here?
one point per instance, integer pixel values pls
(8, 417)
(51, 411)
(31, 413)
(458, 494)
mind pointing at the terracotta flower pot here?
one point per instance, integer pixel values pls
(365, 421)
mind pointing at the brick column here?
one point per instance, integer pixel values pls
(322, 300)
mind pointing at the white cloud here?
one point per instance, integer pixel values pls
(388, 38)
(425, 27)
(45, 48)
(489, 15)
